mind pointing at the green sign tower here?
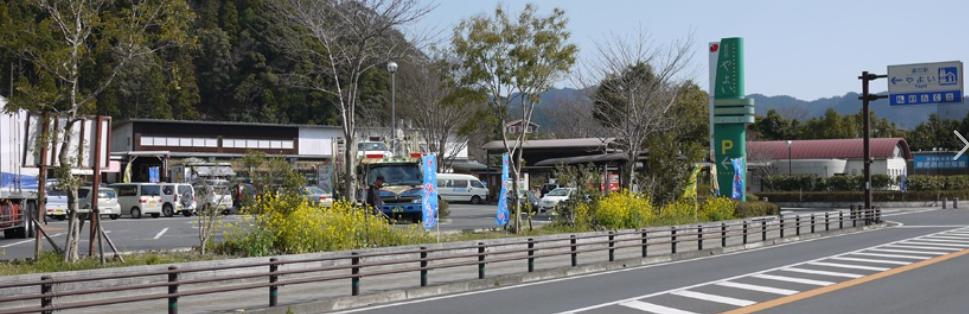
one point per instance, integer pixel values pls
(731, 114)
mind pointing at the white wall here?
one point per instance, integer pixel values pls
(816, 167)
(317, 141)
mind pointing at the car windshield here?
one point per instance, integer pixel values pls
(558, 192)
(312, 190)
(372, 146)
(107, 193)
(53, 191)
(396, 174)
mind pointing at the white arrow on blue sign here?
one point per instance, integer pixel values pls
(925, 83)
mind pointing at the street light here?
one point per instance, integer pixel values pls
(789, 143)
(392, 68)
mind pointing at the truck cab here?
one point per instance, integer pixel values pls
(401, 192)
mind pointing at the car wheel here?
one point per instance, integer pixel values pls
(476, 200)
(187, 213)
(155, 215)
(114, 216)
(60, 217)
(167, 210)
(135, 212)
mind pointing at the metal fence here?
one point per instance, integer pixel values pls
(413, 261)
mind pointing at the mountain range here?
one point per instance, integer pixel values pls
(905, 117)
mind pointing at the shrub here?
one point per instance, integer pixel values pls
(925, 183)
(756, 209)
(443, 209)
(806, 183)
(845, 183)
(292, 225)
(679, 212)
(716, 209)
(858, 196)
(622, 210)
(957, 182)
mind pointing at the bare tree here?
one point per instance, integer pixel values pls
(637, 84)
(61, 44)
(442, 109)
(336, 42)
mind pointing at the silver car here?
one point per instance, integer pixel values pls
(107, 202)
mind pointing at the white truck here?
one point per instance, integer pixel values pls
(18, 184)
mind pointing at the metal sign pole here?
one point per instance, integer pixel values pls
(867, 97)
(95, 186)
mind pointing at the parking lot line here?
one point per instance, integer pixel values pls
(160, 233)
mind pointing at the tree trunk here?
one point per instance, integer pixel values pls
(349, 154)
(629, 169)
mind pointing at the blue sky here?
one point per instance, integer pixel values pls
(806, 49)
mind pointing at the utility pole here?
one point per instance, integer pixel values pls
(41, 184)
(867, 97)
(392, 68)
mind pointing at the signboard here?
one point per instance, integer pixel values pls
(81, 149)
(732, 111)
(925, 83)
(501, 216)
(429, 198)
(940, 161)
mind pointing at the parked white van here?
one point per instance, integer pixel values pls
(137, 199)
(461, 188)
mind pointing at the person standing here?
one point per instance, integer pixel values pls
(373, 195)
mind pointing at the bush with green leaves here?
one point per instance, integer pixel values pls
(809, 183)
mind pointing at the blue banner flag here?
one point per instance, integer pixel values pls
(738, 178)
(429, 192)
(501, 218)
(153, 175)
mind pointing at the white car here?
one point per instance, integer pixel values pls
(454, 187)
(369, 149)
(107, 202)
(553, 198)
(56, 202)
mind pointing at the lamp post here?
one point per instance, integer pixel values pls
(789, 143)
(392, 68)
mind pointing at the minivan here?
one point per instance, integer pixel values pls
(137, 199)
(178, 198)
(461, 188)
(107, 202)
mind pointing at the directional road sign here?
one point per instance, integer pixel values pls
(925, 83)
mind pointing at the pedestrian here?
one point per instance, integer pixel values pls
(373, 195)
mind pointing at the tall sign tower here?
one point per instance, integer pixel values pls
(732, 112)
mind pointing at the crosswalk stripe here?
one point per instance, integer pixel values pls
(905, 251)
(821, 272)
(849, 266)
(942, 240)
(913, 242)
(653, 308)
(757, 288)
(712, 298)
(923, 247)
(949, 237)
(866, 260)
(793, 279)
(889, 255)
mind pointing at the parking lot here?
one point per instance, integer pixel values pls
(182, 232)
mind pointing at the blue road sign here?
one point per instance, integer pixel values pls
(925, 83)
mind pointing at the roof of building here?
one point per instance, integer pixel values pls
(520, 121)
(827, 149)
(557, 143)
(582, 159)
(231, 123)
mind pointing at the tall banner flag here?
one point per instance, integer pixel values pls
(501, 218)
(429, 192)
(738, 178)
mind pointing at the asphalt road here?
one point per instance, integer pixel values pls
(181, 232)
(854, 273)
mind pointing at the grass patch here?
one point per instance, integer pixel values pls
(51, 262)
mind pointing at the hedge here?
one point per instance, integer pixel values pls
(937, 183)
(822, 184)
(756, 209)
(859, 196)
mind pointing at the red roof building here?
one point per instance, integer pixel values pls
(881, 148)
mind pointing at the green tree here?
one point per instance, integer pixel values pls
(673, 155)
(514, 59)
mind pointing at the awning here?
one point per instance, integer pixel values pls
(468, 165)
(582, 159)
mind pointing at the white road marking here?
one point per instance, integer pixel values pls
(906, 251)
(889, 255)
(160, 233)
(877, 261)
(821, 272)
(653, 308)
(16, 243)
(837, 265)
(943, 241)
(793, 279)
(757, 288)
(922, 247)
(712, 298)
(949, 237)
(915, 242)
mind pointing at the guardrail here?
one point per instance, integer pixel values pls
(482, 255)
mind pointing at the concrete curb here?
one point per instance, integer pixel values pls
(346, 303)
